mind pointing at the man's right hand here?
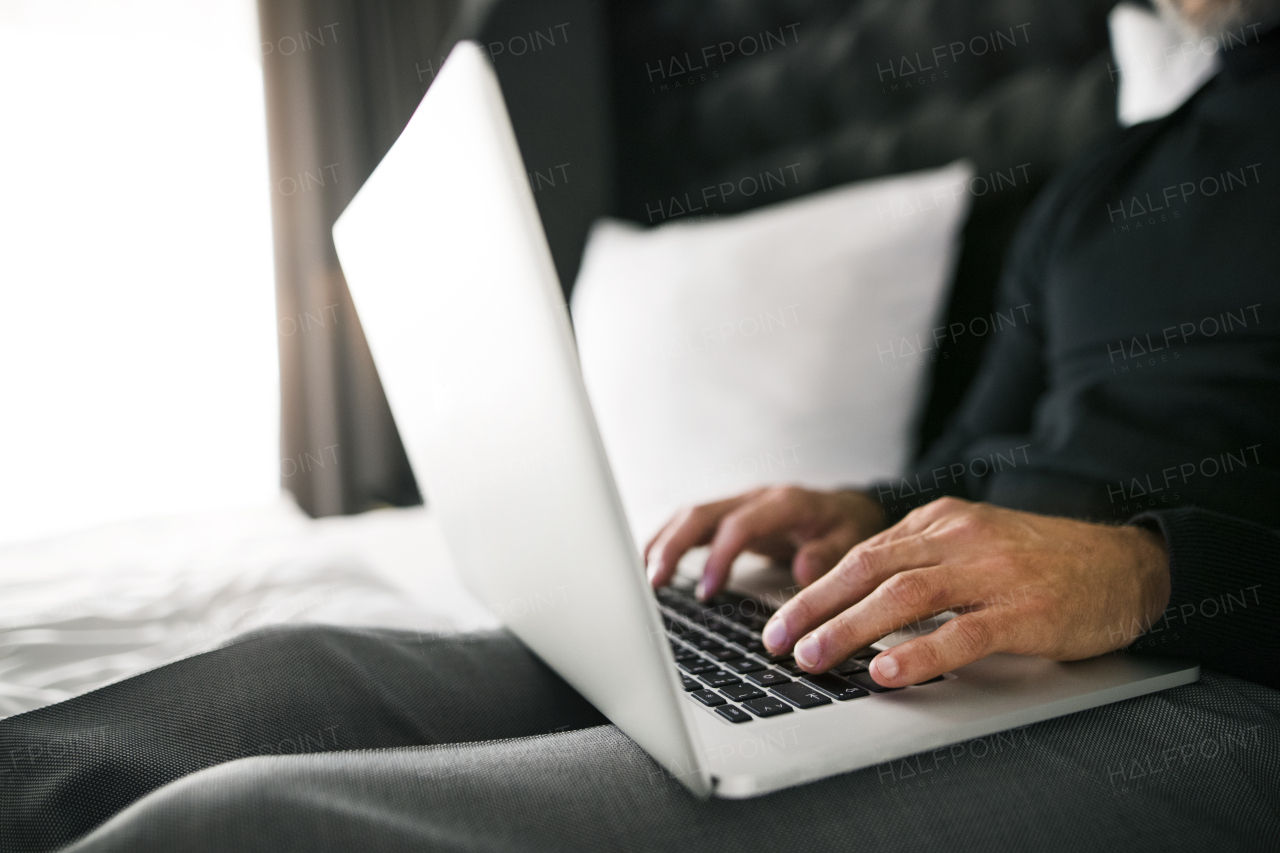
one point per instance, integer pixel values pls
(811, 530)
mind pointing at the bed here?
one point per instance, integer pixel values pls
(86, 609)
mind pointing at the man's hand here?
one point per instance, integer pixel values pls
(810, 530)
(1023, 583)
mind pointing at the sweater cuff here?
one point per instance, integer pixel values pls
(1224, 603)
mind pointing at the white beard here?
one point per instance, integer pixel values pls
(1221, 16)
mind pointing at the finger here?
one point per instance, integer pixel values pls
(770, 513)
(690, 528)
(856, 576)
(653, 540)
(903, 599)
(820, 556)
(956, 643)
(680, 517)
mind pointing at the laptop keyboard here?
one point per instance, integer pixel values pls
(724, 665)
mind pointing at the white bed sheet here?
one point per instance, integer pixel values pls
(79, 611)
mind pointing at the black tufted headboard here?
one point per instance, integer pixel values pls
(622, 105)
(796, 96)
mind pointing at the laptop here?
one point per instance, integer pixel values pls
(452, 279)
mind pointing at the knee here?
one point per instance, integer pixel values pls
(233, 806)
(290, 638)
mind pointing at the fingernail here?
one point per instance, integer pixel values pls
(702, 589)
(774, 634)
(654, 568)
(809, 651)
(885, 665)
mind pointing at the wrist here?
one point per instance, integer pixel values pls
(1151, 561)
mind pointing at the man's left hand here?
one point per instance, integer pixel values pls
(1021, 583)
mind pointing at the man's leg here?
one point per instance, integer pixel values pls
(1189, 769)
(66, 768)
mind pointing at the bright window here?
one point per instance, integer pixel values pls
(138, 367)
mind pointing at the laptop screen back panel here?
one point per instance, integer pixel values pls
(454, 285)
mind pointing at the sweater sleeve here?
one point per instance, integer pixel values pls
(1224, 610)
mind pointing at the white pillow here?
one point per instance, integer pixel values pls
(1160, 68)
(776, 346)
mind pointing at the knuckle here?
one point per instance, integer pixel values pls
(737, 527)
(972, 635)
(842, 633)
(922, 513)
(861, 564)
(799, 610)
(693, 515)
(730, 527)
(786, 493)
(971, 523)
(926, 656)
(908, 589)
(1003, 564)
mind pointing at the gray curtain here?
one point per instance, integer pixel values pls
(342, 79)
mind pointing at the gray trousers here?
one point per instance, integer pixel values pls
(322, 739)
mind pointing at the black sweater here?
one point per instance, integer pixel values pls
(1133, 372)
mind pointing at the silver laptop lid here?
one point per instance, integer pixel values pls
(454, 285)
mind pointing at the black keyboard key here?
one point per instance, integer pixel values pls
(701, 641)
(701, 622)
(768, 678)
(836, 686)
(745, 665)
(720, 678)
(933, 680)
(686, 655)
(864, 680)
(673, 599)
(710, 698)
(767, 707)
(727, 631)
(725, 654)
(754, 646)
(668, 595)
(849, 667)
(734, 626)
(689, 683)
(699, 666)
(741, 692)
(733, 714)
(771, 658)
(801, 695)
